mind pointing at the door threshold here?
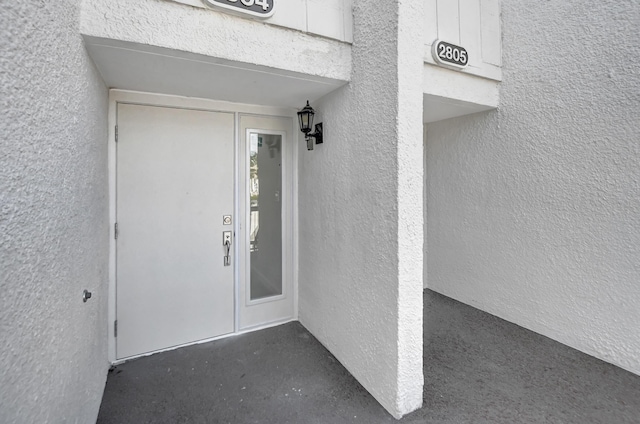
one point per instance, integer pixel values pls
(212, 339)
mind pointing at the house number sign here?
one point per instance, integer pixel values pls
(259, 8)
(449, 54)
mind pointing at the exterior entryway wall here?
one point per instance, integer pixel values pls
(166, 47)
(361, 218)
(53, 217)
(534, 209)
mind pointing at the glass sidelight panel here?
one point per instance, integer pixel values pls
(265, 218)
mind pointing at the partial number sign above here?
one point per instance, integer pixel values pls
(449, 54)
(259, 8)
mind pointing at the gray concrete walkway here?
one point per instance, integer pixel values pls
(478, 369)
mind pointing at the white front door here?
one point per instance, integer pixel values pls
(174, 185)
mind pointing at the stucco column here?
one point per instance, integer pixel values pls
(361, 210)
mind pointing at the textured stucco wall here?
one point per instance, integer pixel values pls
(216, 34)
(534, 209)
(360, 211)
(328, 18)
(53, 218)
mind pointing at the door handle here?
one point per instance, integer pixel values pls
(226, 242)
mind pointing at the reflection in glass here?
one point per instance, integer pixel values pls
(265, 222)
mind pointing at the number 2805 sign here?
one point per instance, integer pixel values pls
(259, 8)
(449, 54)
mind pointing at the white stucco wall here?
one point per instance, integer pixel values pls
(533, 210)
(53, 218)
(328, 18)
(472, 24)
(360, 211)
(216, 34)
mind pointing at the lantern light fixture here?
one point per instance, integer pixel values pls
(305, 119)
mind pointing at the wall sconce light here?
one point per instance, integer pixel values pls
(305, 118)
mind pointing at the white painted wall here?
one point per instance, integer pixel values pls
(53, 218)
(360, 210)
(534, 209)
(472, 24)
(449, 94)
(232, 39)
(328, 18)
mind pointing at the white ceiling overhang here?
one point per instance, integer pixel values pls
(132, 66)
(450, 94)
(436, 108)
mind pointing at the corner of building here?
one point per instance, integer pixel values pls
(361, 212)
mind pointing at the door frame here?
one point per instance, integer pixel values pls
(290, 245)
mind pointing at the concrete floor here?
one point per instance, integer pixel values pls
(478, 369)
